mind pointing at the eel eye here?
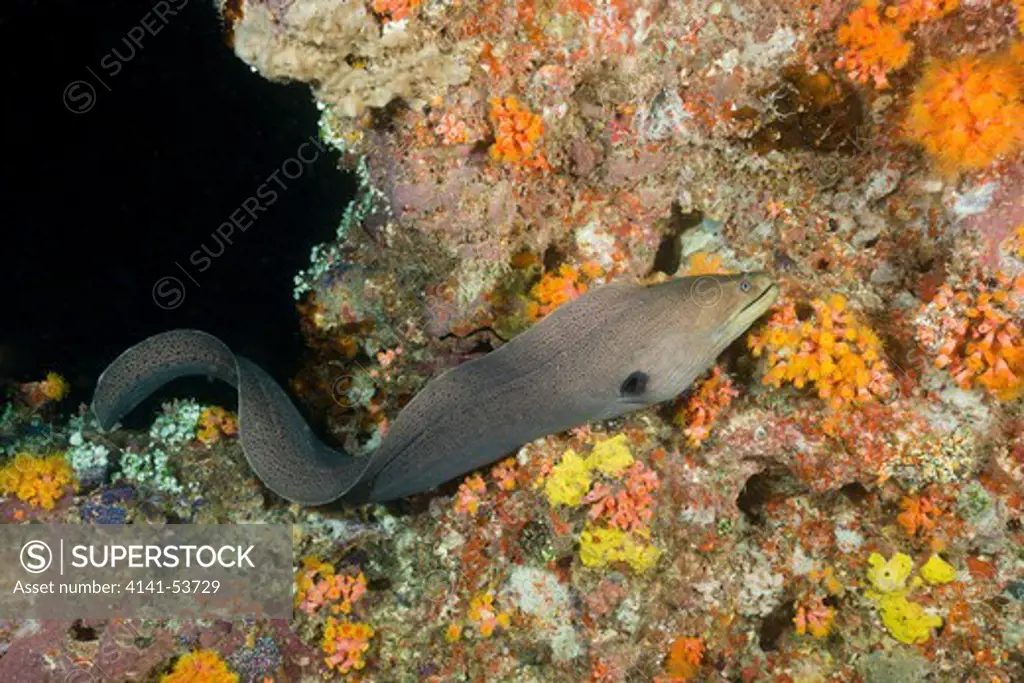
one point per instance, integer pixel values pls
(634, 385)
(744, 286)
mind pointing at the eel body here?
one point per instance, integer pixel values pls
(616, 349)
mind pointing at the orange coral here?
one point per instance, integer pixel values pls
(214, 423)
(485, 615)
(875, 36)
(977, 338)
(340, 589)
(968, 111)
(517, 132)
(702, 263)
(467, 500)
(504, 474)
(305, 578)
(909, 12)
(201, 665)
(874, 46)
(714, 395)
(53, 388)
(556, 288)
(919, 515)
(345, 643)
(38, 481)
(833, 350)
(395, 10)
(317, 584)
(452, 130)
(630, 509)
(684, 659)
(815, 617)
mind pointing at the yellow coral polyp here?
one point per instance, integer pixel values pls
(54, 387)
(453, 633)
(201, 665)
(968, 112)
(840, 356)
(38, 481)
(601, 547)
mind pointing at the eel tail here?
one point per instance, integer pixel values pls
(278, 443)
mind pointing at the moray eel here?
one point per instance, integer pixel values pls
(616, 349)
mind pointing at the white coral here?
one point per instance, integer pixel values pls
(338, 47)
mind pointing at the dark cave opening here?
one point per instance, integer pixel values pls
(132, 163)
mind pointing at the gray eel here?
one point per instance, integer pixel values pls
(616, 349)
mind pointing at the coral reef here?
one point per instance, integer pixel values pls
(840, 499)
(970, 111)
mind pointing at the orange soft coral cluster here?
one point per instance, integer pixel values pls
(53, 388)
(339, 591)
(517, 132)
(558, 287)
(201, 665)
(215, 423)
(968, 112)
(700, 412)
(977, 337)
(875, 37)
(874, 45)
(703, 263)
(485, 615)
(919, 514)
(467, 499)
(832, 350)
(814, 617)
(37, 480)
(684, 659)
(317, 584)
(906, 13)
(345, 643)
(632, 508)
(504, 474)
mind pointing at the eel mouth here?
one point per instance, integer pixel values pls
(771, 291)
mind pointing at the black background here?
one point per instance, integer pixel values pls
(98, 206)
